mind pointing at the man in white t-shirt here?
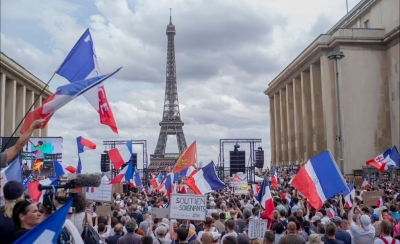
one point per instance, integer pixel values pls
(385, 238)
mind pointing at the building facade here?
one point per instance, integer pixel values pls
(303, 97)
(18, 91)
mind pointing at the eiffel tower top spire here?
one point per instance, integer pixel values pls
(170, 27)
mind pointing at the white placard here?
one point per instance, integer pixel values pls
(188, 206)
(257, 228)
(103, 193)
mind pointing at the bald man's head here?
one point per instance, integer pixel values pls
(291, 227)
(119, 229)
(207, 238)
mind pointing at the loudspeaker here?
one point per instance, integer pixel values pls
(105, 162)
(259, 158)
(237, 161)
(125, 188)
(134, 160)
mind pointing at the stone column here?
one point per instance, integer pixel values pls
(318, 123)
(290, 123)
(272, 128)
(38, 104)
(306, 106)
(328, 88)
(11, 97)
(29, 99)
(283, 125)
(2, 103)
(298, 118)
(44, 132)
(20, 109)
(278, 145)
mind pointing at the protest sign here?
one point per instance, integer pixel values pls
(240, 183)
(257, 228)
(187, 206)
(160, 212)
(103, 193)
(103, 210)
(370, 198)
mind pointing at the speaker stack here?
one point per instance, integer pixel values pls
(105, 162)
(237, 161)
(259, 158)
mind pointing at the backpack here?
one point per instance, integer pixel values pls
(386, 242)
(64, 237)
(89, 235)
(284, 223)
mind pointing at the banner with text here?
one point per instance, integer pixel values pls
(240, 183)
(187, 206)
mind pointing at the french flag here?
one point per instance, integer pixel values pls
(11, 172)
(90, 189)
(121, 154)
(124, 175)
(84, 144)
(188, 172)
(136, 180)
(265, 199)
(319, 179)
(33, 188)
(63, 95)
(380, 162)
(205, 180)
(274, 180)
(81, 63)
(331, 213)
(61, 169)
(349, 195)
(156, 181)
(365, 184)
(255, 188)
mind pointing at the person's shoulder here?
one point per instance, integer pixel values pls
(378, 240)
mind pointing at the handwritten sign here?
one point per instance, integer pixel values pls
(240, 183)
(187, 206)
(257, 228)
(103, 193)
(370, 198)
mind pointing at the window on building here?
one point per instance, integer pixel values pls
(367, 24)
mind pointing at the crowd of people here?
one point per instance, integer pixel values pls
(132, 220)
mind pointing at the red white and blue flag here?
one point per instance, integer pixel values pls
(319, 179)
(83, 145)
(382, 161)
(365, 184)
(380, 202)
(331, 213)
(274, 180)
(80, 64)
(61, 169)
(349, 195)
(11, 172)
(136, 180)
(124, 175)
(265, 199)
(121, 154)
(90, 189)
(63, 95)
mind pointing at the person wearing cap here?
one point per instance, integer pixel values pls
(340, 234)
(13, 192)
(366, 232)
(11, 152)
(315, 239)
(131, 237)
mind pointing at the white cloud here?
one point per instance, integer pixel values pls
(226, 51)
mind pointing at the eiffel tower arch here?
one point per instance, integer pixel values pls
(171, 123)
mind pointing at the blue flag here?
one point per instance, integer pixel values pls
(27, 181)
(395, 156)
(47, 232)
(80, 62)
(12, 172)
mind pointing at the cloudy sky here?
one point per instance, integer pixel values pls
(227, 51)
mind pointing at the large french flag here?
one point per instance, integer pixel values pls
(265, 199)
(124, 175)
(81, 63)
(121, 154)
(380, 162)
(349, 195)
(63, 95)
(61, 169)
(205, 180)
(319, 179)
(11, 172)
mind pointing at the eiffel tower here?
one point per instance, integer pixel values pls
(171, 123)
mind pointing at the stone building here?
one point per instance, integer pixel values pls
(18, 91)
(302, 98)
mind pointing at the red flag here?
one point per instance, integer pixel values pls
(187, 159)
(34, 192)
(105, 112)
(183, 190)
(191, 183)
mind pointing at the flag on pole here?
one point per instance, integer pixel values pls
(83, 145)
(381, 161)
(187, 159)
(265, 199)
(205, 180)
(121, 154)
(63, 95)
(81, 63)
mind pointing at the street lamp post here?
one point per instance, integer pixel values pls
(338, 55)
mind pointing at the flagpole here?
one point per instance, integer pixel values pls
(3, 147)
